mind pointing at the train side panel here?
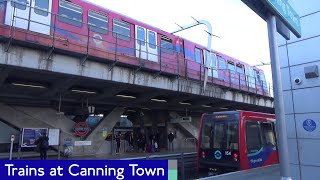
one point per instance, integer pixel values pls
(266, 154)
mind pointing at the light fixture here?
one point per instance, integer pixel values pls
(223, 108)
(31, 85)
(145, 108)
(126, 96)
(83, 91)
(130, 110)
(185, 103)
(158, 100)
(207, 106)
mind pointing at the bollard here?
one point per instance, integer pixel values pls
(11, 147)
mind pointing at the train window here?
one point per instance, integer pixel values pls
(214, 61)
(253, 137)
(166, 45)
(206, 135)
(268, 134)
(232, 136)
(121, 30)
(98, 22)
(222, 63)
(152, 39)
(20, 4)
(41, 7)
(219, 135)
(70, 13)
(240, 68)
(141, 34)
(197, 54)
(231, 65)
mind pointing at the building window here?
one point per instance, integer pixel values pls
(152, 39)
(98, 22)
(70, 13)
(41, 7)
(166, 45)
(197, 54)
(121, 30)
(20, 4)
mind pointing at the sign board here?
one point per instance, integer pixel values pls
(309, 125)
(81, 129)
(82, 143)
(186, 119)
(30, 135)
(282, 10)
(54, 137)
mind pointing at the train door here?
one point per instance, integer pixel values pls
(213, 72)
(33, 15)
(17, 13)
(40, 16)
(222, 69)
(146, 44)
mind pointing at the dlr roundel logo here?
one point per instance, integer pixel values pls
(217, 154)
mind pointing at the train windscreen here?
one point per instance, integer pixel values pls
(219, 142)
(220, 132)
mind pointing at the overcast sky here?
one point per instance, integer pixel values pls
(243, 34)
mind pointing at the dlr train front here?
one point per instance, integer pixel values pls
(218, 147)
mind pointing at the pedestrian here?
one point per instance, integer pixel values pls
(170, 138)
(118, 140)
(42, 146)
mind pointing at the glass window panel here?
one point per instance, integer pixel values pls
(41, 7)
(253, 137)
(70, 13)
(166, 45)
(231, 66)
(219, 135)
(222, 63)
(152, 39)
(240, 69)
(232, 136)
(19, 4)
(206, 141)
(141, 34)
(214, 61)
(98, 22)
(197, 54)
(121, 30)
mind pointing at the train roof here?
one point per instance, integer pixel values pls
(166, 33)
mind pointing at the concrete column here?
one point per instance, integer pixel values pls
(99, 144)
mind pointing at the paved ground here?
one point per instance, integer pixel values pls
(265, 173)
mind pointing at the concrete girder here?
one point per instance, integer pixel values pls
(29, 58)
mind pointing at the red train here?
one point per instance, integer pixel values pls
(78, 27)
(236, 140)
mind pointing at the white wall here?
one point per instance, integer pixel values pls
(302, 101)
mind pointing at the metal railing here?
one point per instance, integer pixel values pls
(113, 49)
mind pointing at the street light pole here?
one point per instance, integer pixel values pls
(278, 99)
